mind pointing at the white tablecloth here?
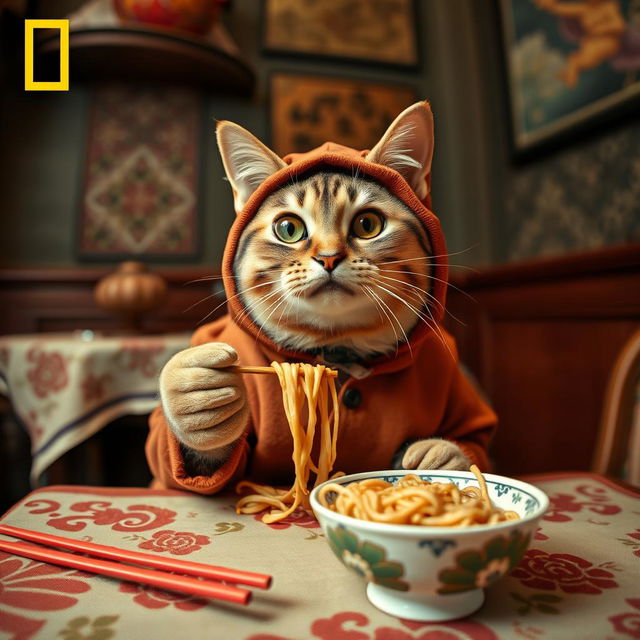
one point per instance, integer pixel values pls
(66, 387)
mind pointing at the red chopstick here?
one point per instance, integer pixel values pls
(260, 580)
(183, 584)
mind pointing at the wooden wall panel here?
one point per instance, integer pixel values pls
(34, 300)
(542, 339)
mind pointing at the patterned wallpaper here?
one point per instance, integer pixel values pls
(584, 197)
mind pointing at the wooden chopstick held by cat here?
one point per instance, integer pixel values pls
(334, 257)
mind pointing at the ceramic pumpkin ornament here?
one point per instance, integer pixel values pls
(131, 291)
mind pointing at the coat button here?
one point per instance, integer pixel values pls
(352, 398)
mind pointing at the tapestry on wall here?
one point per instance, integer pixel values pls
(569, 63)
(373, 31)
(141, 176)
(307, 111)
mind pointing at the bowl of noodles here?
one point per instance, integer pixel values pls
(428, 542)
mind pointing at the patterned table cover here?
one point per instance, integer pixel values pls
(579, 580)
(66, 387)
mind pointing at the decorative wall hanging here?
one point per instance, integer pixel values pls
(378, 31)
(307, 111)
(140, 187)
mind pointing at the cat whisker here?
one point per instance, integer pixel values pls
(195, 304)
(286, 308)
(420, 315)
(434, 264)
(429, 322)
(376, 300)
(413, 286)
(413, 291)
(263, 284)
(453, 286)
(221, 277)
(440, 255)
(277, 303)
(406, 339)
(428, 275)
(250, 307)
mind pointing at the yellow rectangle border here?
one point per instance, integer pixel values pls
(29, 28)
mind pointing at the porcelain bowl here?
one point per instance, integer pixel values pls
(433, 573)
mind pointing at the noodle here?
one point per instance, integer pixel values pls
(300, 382)
(416, 501)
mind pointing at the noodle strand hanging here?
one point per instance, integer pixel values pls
(301, 384)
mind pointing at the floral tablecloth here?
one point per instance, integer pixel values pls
(65, 387)
(579, 580)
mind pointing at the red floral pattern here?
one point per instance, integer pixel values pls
(42, 506)
(179, 543)
(299, 518)
(34, 428)
(538, 535)
(34, 586)
(141, 356)
(339, 627)
(137, 517)
(49, 374)
(154, 598)
(94, 387)
(563, 503)
(634, 542)
(571, 574)
(628, 623)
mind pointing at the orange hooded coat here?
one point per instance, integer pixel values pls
(413, 394)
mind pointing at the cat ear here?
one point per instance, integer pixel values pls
(247, 162)
(407, 147)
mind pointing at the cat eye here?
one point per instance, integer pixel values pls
(289, 228)
(367, 224)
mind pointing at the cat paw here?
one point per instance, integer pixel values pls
(435, 454)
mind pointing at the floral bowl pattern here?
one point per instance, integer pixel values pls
(433, 573)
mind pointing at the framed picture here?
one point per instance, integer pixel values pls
(307, 111)
(139, 195)
(377, 31)
(569, 64)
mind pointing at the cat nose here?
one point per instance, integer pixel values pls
(329, 260)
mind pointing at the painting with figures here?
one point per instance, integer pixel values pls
(569, 62)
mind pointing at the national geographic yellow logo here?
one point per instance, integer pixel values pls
(29, 27)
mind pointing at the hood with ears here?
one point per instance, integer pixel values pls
(332, 155)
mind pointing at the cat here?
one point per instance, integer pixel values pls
(334, 257)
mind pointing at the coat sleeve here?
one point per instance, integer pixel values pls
(167, 464)
(469, 422)
(163, 449)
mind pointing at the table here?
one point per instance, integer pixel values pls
(579, 579)
(64, 387)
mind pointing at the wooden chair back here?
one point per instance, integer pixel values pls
(617, 451)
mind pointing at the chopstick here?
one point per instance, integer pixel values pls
(183, 584)
(260, 580)
(332, 373)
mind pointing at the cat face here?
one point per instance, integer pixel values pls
(333, 258)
